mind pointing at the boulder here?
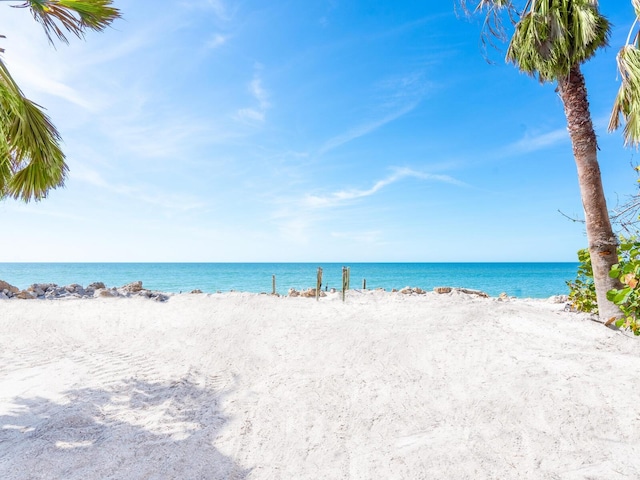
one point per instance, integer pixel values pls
(37, 289)
(293, 292)
(196, 291)
(443, 290)
(4, 296)
(132, 287)
(558, 299)
(7, 286)
(25, 295)
(96, 286)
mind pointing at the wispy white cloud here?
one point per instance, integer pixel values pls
(219, 8)
(216, 41)
(533, 143)
(364, 129)
(338, 198)
(261, 96)
(168, 202)
(33, 78)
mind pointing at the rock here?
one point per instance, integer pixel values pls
(558, 299)
(96, 286)
(25, 295)
(37, 289)
(106, 293)
(196, 291)
(160, 297)
(503, 297)
(74, 288)
(132, 287)
(4, 296)
(472, 292)
(7, 286)
(412, 290)
(443, 289)
(394, 290)
(293, 292)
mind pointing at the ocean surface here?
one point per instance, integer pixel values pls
(524, 280)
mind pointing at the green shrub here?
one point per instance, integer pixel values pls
(582, 291)
(627, 270)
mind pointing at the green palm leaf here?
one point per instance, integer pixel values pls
(627, 102)
(31, 161)
(74, 16)
(555, 35)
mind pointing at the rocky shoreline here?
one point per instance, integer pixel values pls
(51, 291)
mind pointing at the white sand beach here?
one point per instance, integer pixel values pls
(383, 386)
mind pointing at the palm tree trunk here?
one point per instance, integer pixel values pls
(602, 241)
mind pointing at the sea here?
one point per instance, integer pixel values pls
(524, 280)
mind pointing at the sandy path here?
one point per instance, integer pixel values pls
(242, 386)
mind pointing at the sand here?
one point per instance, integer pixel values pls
(383, 386)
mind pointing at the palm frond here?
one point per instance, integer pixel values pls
(31, 161)
(627, 102)
(554, 35)
(495, 13)
(59, 17)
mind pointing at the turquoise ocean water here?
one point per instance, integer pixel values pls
(534, 280)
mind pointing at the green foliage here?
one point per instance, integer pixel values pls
(73, 16)
(582, 291)
(627, 270)
(553, 36)
(31, 160)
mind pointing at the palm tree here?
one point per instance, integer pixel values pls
(551, 39)
(31, 160)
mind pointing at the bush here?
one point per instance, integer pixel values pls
(582, 291)
(627, 270)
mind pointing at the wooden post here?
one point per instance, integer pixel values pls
(319, 283)
(273, 284)
(364, 283)
(344, 282)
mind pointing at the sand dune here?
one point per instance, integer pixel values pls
(244, 386)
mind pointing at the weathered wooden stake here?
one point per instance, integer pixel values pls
(273, 284)
(344, 282)
(319, 283)
(364, 283)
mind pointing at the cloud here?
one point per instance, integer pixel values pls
(344, 196)
(168, 202)
(218, 8)
(533, 143)
(216, 41)
(258, 113)
(364, 129)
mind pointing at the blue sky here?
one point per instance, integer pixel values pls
(323, 130)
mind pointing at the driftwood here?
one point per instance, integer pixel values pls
(461, 290)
